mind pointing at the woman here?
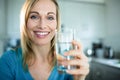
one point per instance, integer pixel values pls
(35, 60)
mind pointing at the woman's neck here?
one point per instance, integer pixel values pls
(41, 52)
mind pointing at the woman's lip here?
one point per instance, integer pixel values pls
(41, 34)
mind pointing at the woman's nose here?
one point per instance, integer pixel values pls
(42, 24)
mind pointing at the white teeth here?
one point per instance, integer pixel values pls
(42, 33)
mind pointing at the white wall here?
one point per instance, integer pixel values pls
(9, 20)
(87, 18)
(13, 12)
(2, 24)
(2, 19)
(113, 24)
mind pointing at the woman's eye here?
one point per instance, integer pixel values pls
(50, 18)
(34, 17)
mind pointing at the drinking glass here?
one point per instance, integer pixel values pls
(64, 39)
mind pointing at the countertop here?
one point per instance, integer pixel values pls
(109, 62)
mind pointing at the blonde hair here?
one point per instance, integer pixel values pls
(27, 51)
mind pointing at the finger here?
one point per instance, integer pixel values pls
(76, 62)
(76, 54)
(77, 45)
(60, 57)
(78, 72)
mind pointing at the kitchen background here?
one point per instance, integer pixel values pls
(97, 22)
(94, 21)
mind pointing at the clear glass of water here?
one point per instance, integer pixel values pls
(64, 40)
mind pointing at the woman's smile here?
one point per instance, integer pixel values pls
(41, 34)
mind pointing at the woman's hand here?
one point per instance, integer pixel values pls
(80, 61)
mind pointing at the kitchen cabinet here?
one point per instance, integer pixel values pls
(89, 76)
(103, 72)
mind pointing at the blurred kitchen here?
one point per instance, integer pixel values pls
(97, 25)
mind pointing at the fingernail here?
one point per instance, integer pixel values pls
(67, 71)
(65, 54)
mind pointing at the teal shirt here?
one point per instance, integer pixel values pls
(11, 68)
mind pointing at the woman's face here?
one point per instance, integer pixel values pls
(42, 22)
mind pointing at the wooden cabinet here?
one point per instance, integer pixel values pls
(103, 72)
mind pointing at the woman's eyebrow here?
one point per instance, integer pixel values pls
(38, 13)
(51, 13)
(34, 12)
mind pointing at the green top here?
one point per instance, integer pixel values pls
(11, 68)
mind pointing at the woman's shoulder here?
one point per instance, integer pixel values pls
(11, 56)
(12, 53)
(10, 65)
